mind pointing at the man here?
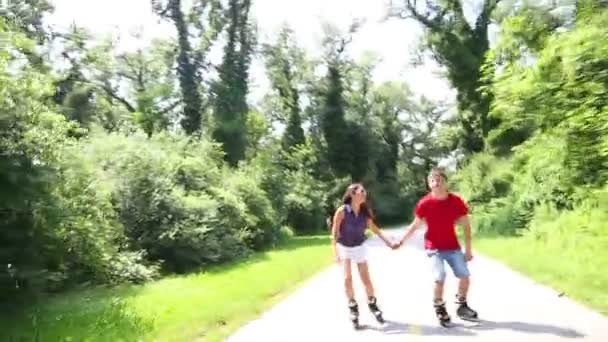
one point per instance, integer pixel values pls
(441, 210)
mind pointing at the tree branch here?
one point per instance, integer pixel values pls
(484, 17)
(410, 6)
(125, 75)
(108, 90)
(157, 6)
(456, 7)
(170, 107)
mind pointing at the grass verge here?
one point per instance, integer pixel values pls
(205, 306)
(572, 271)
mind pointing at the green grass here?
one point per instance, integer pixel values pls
(578, 272)
(206, 306)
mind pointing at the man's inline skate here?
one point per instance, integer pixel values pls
(464, 311)
(442, 314)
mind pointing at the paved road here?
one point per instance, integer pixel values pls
(512, 307)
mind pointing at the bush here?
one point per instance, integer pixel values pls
(562, 99)
(580, 228)
(245, 208)
(485, 177)
(84, 221)
(504, 192)
(196, 236)
(56, 223)
(180, 203)
(304, 203)
(163, 195)
(285, 233)
(299, 199)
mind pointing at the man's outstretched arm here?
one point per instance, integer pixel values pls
(417, 223)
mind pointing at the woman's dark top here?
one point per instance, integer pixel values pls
(352, 228)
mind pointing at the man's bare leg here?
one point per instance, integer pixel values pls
(438, 292)
(463, 287)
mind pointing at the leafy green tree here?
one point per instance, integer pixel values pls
(286, 67)
(459, 47)
(230, 91)
(206, 19)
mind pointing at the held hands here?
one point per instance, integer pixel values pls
(393, 245)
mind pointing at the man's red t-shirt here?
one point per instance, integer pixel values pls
(440, 216)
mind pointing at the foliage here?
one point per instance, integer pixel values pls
(460, 47)
(558, 100)
(175, 308)
(179, 203)
(57, 223)
(577, 236)
(566, 87)
(230, 91)
(101, 186)
(123, 166)
(286, 67)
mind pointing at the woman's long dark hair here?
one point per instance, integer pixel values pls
(365, 206)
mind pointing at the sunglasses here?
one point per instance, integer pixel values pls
(359, 190)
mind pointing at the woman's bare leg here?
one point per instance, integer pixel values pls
(348, 280)
(366, 279)
(369, 290)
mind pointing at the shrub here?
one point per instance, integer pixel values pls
(178, 201)
(245, 208)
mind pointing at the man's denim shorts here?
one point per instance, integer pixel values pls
(454, 258)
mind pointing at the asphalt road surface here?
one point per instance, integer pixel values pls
(511, 307)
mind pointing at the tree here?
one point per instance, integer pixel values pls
(335, 129)
(460, 48)
(585, 9)
(230, 90)
(337, 132)
(191, 61)
(564, 91)
(523, 35)
(284, 62)
(390, 101)
(102, 85)
(26, 17)
(422, 128)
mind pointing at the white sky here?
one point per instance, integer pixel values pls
(391, 40)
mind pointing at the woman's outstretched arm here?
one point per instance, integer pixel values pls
(379, 233)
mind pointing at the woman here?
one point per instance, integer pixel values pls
(348, 237)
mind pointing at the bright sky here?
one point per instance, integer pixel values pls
(391, 40)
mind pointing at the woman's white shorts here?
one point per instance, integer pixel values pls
(357, 254)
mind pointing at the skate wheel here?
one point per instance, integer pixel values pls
(471, 319)
(445, 324)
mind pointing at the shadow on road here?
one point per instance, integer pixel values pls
(398, 328)
(531, 328)
(457, 329)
